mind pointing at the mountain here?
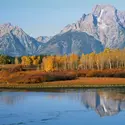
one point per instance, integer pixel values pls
(72, 42)
(43, 39)
(15, 42)
(105, 23)
(103, 28)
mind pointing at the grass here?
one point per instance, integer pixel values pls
(77, 83)
(31, 77)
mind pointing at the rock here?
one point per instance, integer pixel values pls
(43, 39)
(105, 23)
(15, 42)
(72, 42)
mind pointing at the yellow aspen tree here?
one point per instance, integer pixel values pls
(57, 63)
(23, 59)
(28, 61)
(82, 62)
(65, 62)
(16, 61)
(74, 61)
(35, 60)
(48, 64)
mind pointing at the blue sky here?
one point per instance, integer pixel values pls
(48, 17)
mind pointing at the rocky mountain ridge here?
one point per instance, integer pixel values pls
(105, 23)
(103, 28)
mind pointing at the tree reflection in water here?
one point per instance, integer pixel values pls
(11, 98)
(105, 102)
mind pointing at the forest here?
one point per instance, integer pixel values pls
(109, 59)
(43, 68)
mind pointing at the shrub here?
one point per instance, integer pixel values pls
(106, 73)
(56, 76)
(120, 74)
(34, 79)
(4, 74)
(92, 73)
(16, 68)
(82, 73)
(39, 77)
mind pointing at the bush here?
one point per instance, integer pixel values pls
(4, 74)
(106, 73)
(16, 68)
(120, 74)
(34, 79)
(56, 76)
(82, 73)
(39, 77)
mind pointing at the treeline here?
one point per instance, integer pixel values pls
(6, 59)
(24, 60)
(108, 59)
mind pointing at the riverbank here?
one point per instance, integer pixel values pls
(20, 77)
(77, 83)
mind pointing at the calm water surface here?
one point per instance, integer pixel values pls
(63, 107)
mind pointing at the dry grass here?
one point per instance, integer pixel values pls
(117, 73)
(78, 83)
(16, 77)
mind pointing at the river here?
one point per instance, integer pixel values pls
(63, 107)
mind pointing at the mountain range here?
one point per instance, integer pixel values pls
(43, 39)
(103, 28)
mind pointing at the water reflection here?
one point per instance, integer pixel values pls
(105, 102)
(11, 98)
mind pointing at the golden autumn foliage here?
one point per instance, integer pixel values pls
(16, 60)
(109, 63)
(30, 60)
(73, 61)
(48, 63)
(60, 63)
(109, 59)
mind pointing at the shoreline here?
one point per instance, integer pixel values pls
(77, 83)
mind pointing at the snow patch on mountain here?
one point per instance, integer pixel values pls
(100, 17)
(105, 23)
(43, 39)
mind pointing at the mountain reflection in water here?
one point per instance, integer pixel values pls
(105, 102)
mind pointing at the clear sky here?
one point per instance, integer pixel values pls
(48, 17)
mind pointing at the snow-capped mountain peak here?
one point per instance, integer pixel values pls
(105, 23)
(103, 28)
